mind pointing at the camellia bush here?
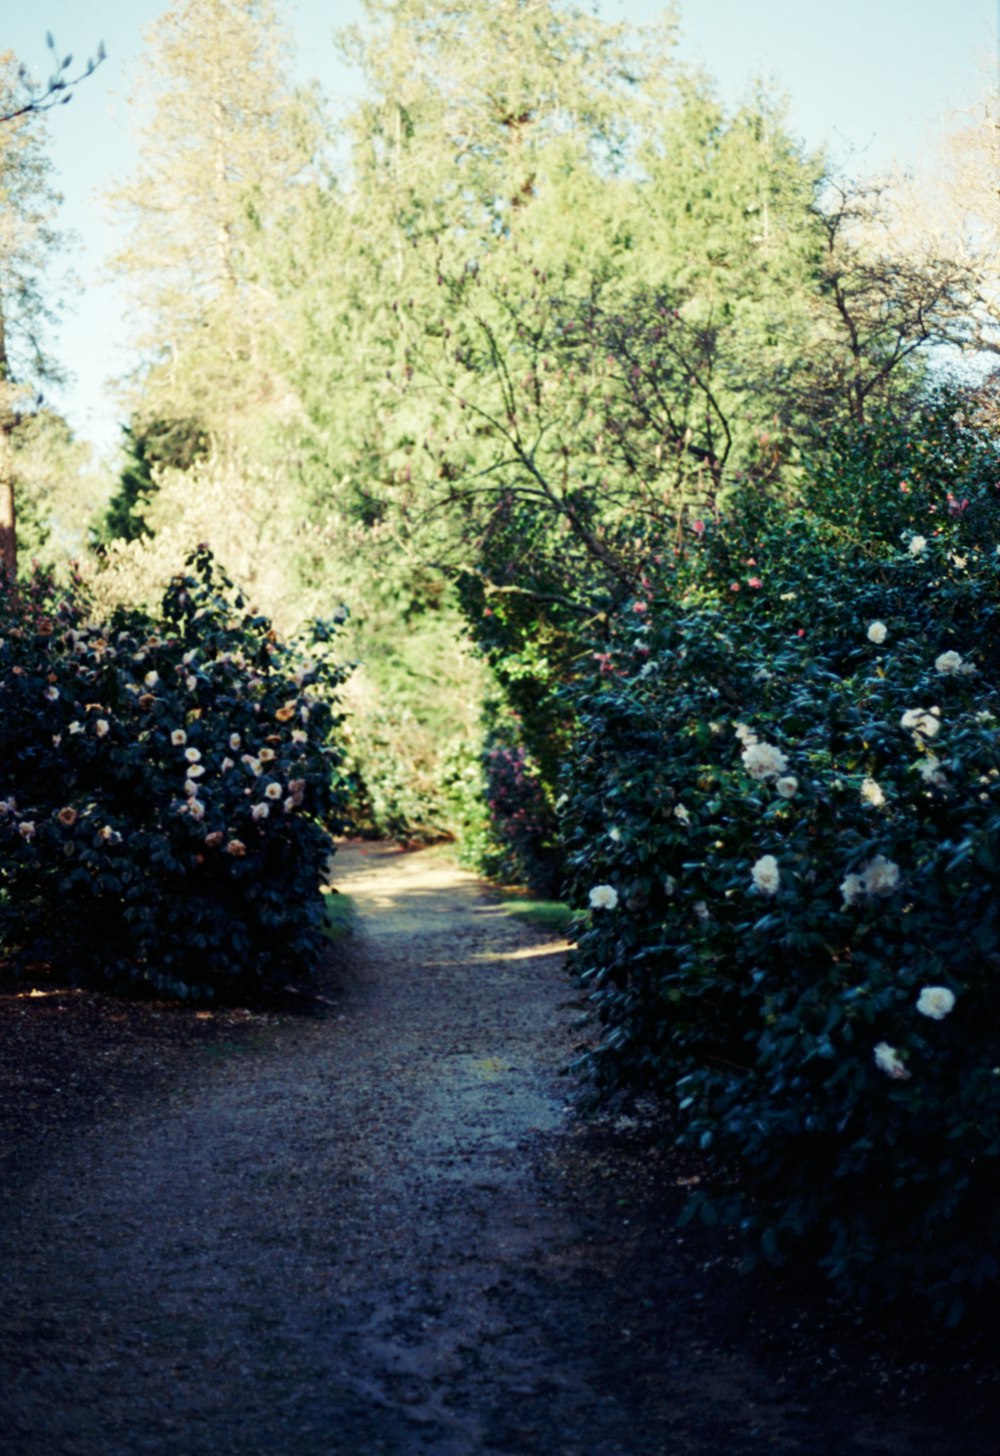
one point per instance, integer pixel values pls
(168, 790)
(783, 829)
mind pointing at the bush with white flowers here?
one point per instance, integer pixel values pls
(805, 966)
(168, 788)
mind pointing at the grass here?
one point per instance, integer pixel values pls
(340, 915)
(551, 915)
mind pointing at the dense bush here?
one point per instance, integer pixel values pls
(783, 818)
(169, 788)
(523, 826)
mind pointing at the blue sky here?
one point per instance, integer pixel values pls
(872, 79)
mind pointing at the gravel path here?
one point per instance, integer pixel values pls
(380, 1231)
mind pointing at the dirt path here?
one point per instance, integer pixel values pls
(381, 1232)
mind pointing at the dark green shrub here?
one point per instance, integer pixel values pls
(169, 790)
(783, 828)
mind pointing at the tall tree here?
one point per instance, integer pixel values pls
(224, 139)
(27, 241)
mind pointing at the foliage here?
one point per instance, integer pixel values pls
(170, 787)
(783, 831)
(522, 821)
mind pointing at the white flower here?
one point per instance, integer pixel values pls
(929, 769)
(787, 787)
(196, 809)
(921, 720)
(151, 679)
(178, 737)
(935, 1002)
(75, 727)
(985, 716)
(259, 811)
(852, 889)
(766, 875)
(189, 657)
(190, 788)
(917, 544)
(603, 897)
(682, 815)
(948, 662)
(193, 755)
(615, 834)
(234, 741)
(227, 764)
(299, 735)
(880, 876)
(877, 632)
(195, 770)
(872, 794)
(266, 755)
(190, 682)
(51, 693)
(763, 761)
(888, 1060)
(252, 763)
(101, 727)
(273, 791)
(960, 561)
(26, 829)
(788, 596)
(744, 734)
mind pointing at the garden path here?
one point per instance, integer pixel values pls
(381, 1231)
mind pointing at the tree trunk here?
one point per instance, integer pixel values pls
(8, 423)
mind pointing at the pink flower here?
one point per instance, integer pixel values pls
(755, 582)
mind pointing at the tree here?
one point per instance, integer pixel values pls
(31, 97)
(224, 144)
(27, 242)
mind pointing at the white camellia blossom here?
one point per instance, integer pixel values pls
(744, 733)
(929, 769)
(193, 755)
(603, 897)
(615, 834)
(877, 632)
(195, 770)
(763, 761)
(878, 878)
(917, 545)
(888, 1060)
(921, 720)
(936, 1002)
(51, 693)
(681, 814)
(26, 829)
(273, 791)
(872, 794)
(151, 679)
(948, 662)
(766, 875)
(259, 811)
(788, 786)
(101, 727)
(178, 737)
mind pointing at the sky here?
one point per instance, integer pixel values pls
(873, 80)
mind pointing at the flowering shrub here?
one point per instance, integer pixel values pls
(783, 831)
(521, 822)
(167, 789)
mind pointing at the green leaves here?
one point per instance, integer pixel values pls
(171, 788)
